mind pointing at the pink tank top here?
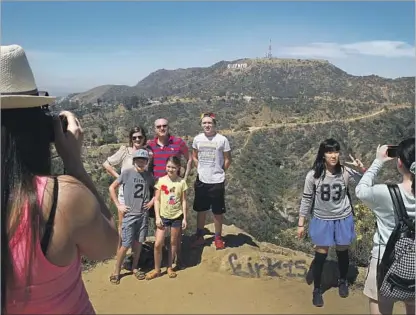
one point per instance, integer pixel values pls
(52, 289)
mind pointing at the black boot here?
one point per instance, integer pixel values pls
(317, 268)
(343, 265)
(317, 298)
(343, 288)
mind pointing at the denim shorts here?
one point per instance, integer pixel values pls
(332, 232)
(134, 228)
(177, 222)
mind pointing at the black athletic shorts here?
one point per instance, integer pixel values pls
(209, 196)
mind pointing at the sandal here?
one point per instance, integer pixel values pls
(171, 273)
(152, 275)
(140, 275)
(115, 279)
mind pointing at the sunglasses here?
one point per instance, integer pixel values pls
(137, 137)
(210, 115)
(160, 126)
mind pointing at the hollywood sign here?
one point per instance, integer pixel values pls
(237, 66)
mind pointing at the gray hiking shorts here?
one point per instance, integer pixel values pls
(134, 228)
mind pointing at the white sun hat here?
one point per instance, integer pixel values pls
(17, 84)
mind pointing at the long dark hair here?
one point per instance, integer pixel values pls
(319, 166)
(25, 140)
(406, 154)
(133, 131)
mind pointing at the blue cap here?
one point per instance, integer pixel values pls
(141, 154)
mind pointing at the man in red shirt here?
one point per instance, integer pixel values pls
(165, 145)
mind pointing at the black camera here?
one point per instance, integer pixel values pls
(64, 123)
(392, 151)
(50, 117)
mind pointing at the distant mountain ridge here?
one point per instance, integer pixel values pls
(262, 78)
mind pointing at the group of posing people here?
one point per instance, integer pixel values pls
(49, 222)
(151, 185)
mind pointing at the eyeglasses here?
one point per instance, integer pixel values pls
(137, 137)
(210, 115)
(160, 126)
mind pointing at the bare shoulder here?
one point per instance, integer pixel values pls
(75, 197)
(76, 205)
(70, 184)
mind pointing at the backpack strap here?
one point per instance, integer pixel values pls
(49, 224)
(313, 199)
(400, 213)
(315, 185)
(346, 176)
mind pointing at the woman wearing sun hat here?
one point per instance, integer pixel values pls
(46, 222)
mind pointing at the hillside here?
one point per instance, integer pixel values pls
(282, 78)
(274, 138)
(261, 278)
(265, 182)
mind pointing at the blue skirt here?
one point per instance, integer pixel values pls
(332, 232)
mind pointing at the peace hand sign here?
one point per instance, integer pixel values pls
(355, 162)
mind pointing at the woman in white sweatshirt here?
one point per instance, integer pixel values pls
(378, 199)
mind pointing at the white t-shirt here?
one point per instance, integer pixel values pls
(211, 157)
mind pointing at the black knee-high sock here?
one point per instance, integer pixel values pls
(343, 263)
(318, 267)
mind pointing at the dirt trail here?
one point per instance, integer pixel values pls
(273, 126)
(288, 125)
(210, 287)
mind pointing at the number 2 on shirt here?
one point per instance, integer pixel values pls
(138, 191)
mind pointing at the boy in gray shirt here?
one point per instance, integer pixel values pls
(138, 200)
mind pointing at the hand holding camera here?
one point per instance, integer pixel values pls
(386, 153)
(68, 144)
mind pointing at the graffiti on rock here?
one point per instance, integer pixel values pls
(272, 267)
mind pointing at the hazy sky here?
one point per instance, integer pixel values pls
(74, 46)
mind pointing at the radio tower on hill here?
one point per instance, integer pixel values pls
(269, 53)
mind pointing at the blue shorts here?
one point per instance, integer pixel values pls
(175, 223)
(332, 232)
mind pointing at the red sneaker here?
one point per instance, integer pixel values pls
(219, 243)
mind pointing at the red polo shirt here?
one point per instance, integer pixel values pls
(175, 147)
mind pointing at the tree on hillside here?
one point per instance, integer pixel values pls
(134, 101)
(131, 102)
